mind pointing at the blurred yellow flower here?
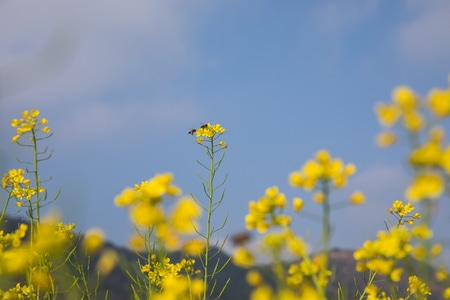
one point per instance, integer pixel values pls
(243, 258)
(388, 114)
(425, 186)
(297, 204)
(357, 198)
(93, 240)
(405, 98)
(185, 215)
(439, 102)
(386, 139)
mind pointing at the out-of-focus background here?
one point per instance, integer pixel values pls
(122, 82)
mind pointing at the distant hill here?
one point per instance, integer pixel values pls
(118, 284)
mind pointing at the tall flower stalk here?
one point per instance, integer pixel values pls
(207, 136)
(322, 175)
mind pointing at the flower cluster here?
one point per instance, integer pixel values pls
(401, 212)
(147, 210)
(383, 255)
(19, 292)
(429, 157)
(210, 132)
(15, 183)
(323, 169)
(158, 270)
(51, 239)
(267, 211)
(180, 288)
(30, 122)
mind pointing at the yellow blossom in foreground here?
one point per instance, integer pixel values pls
(425, 186)
(127, 197)
(297, 204)
(439, 102)
(446, 293)
(185, 215)
(254, 278)
(243, 258)
(194, 247)
(107, 261)
(262, 292)
(418, 287)
(93, 240)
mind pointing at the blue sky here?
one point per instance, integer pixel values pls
(122, 83)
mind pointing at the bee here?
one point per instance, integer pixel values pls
(192, 131)
(240, 239)
(204, 126)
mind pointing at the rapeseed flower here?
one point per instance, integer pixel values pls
(324, 168)
(93, 241)
(426, 185)
(439, 102)
(357, 198)
(29, 122)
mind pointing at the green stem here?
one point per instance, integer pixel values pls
(326, 232)
(36, 178)
(5, 207)
(209, 214)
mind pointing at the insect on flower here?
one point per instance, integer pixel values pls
(204, 126)
(192, 131)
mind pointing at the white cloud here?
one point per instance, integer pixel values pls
(51, 49)
(425, 38)
(63, 57)
(336, 16)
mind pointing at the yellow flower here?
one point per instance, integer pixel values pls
(441, 274)
(422, 232)
(243, 258)
(357, 198)
(417, 287)
(107, 261)
(127, 197)
(439, 102)
(184, 215)
(319, 198)
(425, 186)
(209, 131)
(413, 121)
(388, 114)
(396, 274)
(323, 157)
(296, 179)
(136, 242)
(253, 278)
(428, 154)
(386, 139)
(93, 240)
(146, 215)
(263, 292)
(405, 98)
(436, 249)
(446, 293)
(297, 204)
(194, 247)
